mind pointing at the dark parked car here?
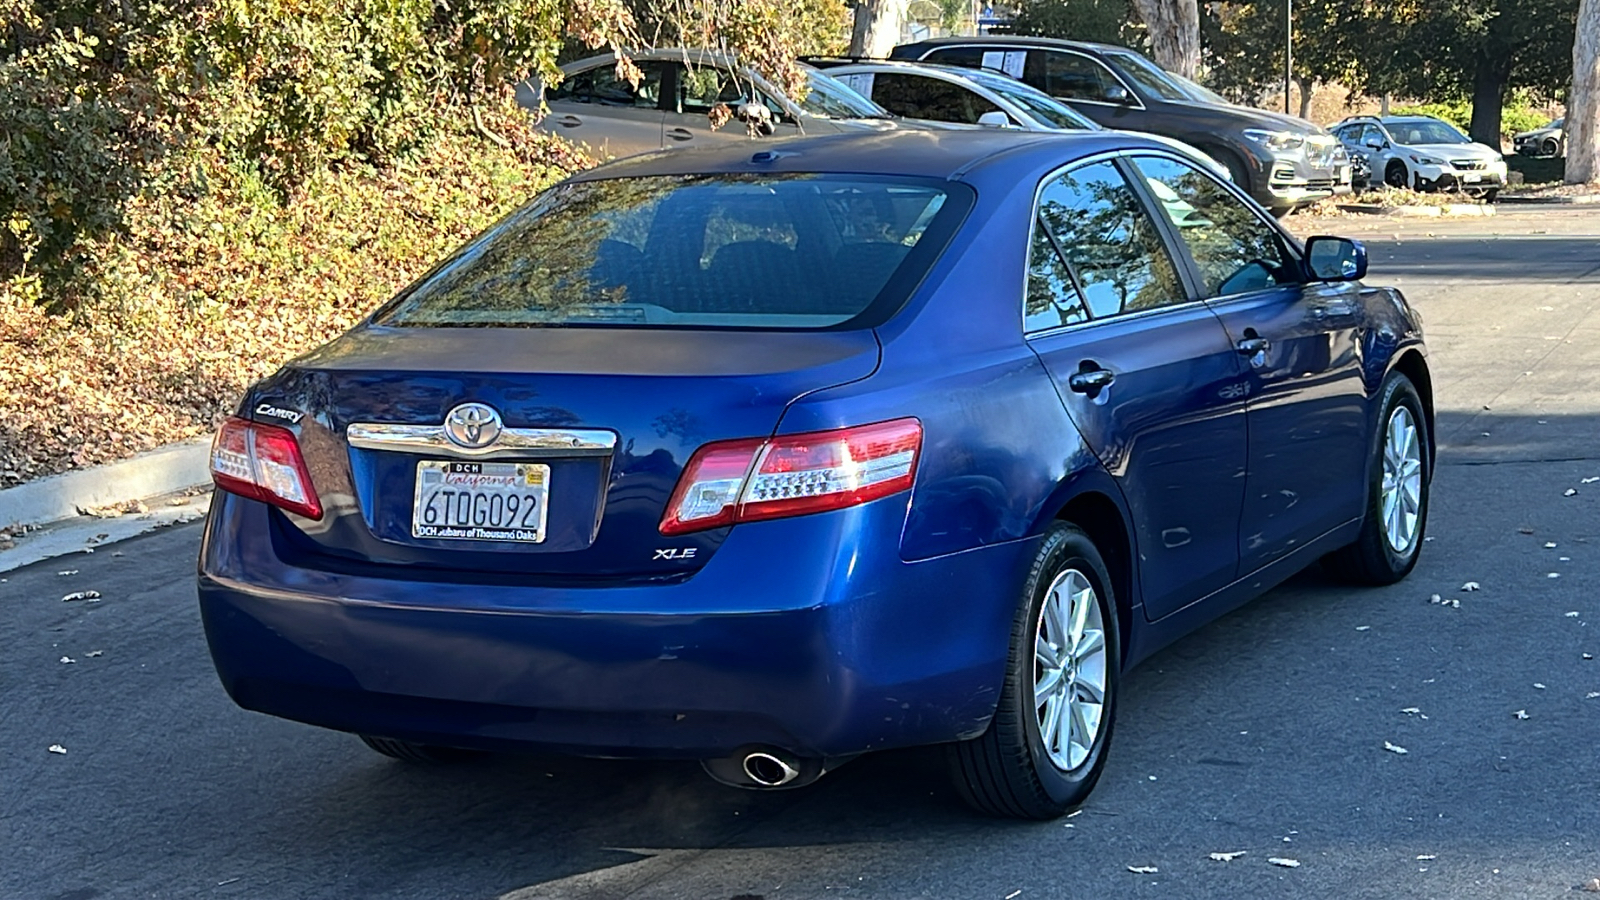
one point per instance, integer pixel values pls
(774, 456)
(1282, 161)
(672, 105)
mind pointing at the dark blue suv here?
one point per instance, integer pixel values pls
(771, 456)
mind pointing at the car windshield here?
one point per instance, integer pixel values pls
(1557, 123)
(1199, 91)
(833, 99)
(699, 251)
(1151, 77)
(1425, 131)
(1047, 110)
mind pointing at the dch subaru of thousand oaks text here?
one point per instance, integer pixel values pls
(775, 454)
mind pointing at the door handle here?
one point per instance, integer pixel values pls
(1091, 381)
(680, 134)
(1252, 345)
(569, 121)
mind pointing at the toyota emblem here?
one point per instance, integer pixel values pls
(472, 425)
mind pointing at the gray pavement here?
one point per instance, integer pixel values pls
(1263, 732)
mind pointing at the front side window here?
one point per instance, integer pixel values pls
(921, 97)
(701, 88)
(1107, 251)
(1151, 77)
(1070, 75)
(698, 251)
(602, 85)
(1234, 248)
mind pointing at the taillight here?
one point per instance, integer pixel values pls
(263, 462)
(793, 475)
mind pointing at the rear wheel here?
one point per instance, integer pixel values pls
(1397, 493)
(1046, 746)
(418, 753)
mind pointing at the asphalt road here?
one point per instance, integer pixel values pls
(1263, 733)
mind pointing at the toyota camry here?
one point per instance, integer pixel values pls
(775, 454)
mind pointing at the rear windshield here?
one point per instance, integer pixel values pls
(699, 251)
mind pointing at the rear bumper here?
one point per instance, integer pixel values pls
(808, 634)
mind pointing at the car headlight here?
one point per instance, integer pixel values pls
(1426, 160)
(1275, 140)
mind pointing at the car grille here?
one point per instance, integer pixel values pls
(1470, 165)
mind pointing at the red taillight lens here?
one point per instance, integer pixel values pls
(793, 475)
(263, 462)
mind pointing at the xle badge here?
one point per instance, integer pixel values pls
(675, 553)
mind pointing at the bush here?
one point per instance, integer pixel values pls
(1104, 21)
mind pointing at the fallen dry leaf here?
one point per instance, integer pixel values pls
(1411, 711)
(93, 653)
(1591, 695)
(1143, 870)
(1427, 856)
(1363, 627)
(1395, 748)
(1470, 586)
(1549, 545)
(57, 748)
(1229, 856)
(1520, 714)
(81, 595)
(1539, 685)
(1286, 863)
(68, 659)
(1570, 492)
(1590, 480)
(67, 572)
(1573, 614)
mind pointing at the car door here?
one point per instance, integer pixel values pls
(1147, 374)
(914, 96)
(606, 113)
(696, 91)
(1306, 397)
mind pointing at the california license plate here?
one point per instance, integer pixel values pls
(1471, 177)
(488, 501)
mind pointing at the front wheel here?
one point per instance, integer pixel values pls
(1396, 175)
(1397, 493)
(1046, 746)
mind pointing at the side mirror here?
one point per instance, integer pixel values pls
(1116, 93)
(994, 119)
(1336, 259)
(1376, 145)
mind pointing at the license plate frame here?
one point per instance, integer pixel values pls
(1471, 177)
(478, 517)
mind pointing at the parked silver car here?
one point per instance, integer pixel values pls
(1424, 153)
(675, 104)
(971, 97)
(1551, 140)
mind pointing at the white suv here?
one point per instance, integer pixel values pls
(1424, 153)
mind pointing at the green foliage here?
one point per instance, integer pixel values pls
(1105, 21)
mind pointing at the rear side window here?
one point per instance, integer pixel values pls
(601, 85)
(1069, 75)
(920, 97)
(700, 251)
(1096, 252)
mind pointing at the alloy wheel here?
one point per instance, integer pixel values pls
(1401, 505)
(1069, 665)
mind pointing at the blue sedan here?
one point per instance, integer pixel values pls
(776, 454)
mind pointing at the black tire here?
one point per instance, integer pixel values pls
(417, 753)
(1395, 175)
(1007, 771)
(1370, 559)
(1490, 195)
(1550, 148)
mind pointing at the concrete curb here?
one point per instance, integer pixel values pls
(1425, 212)
(1548, 201)
(174, 467)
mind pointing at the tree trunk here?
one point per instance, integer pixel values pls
(1583, 103)
(877, 27)
(1308, 89)
(1489, 95)
(1174, 28)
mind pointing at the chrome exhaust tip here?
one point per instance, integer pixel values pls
(758, 767)
(767, 770)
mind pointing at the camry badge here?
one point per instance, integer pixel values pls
(472, 425)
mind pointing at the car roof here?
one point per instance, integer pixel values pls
(1020, 39)
(670, 54)
(927, 154)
